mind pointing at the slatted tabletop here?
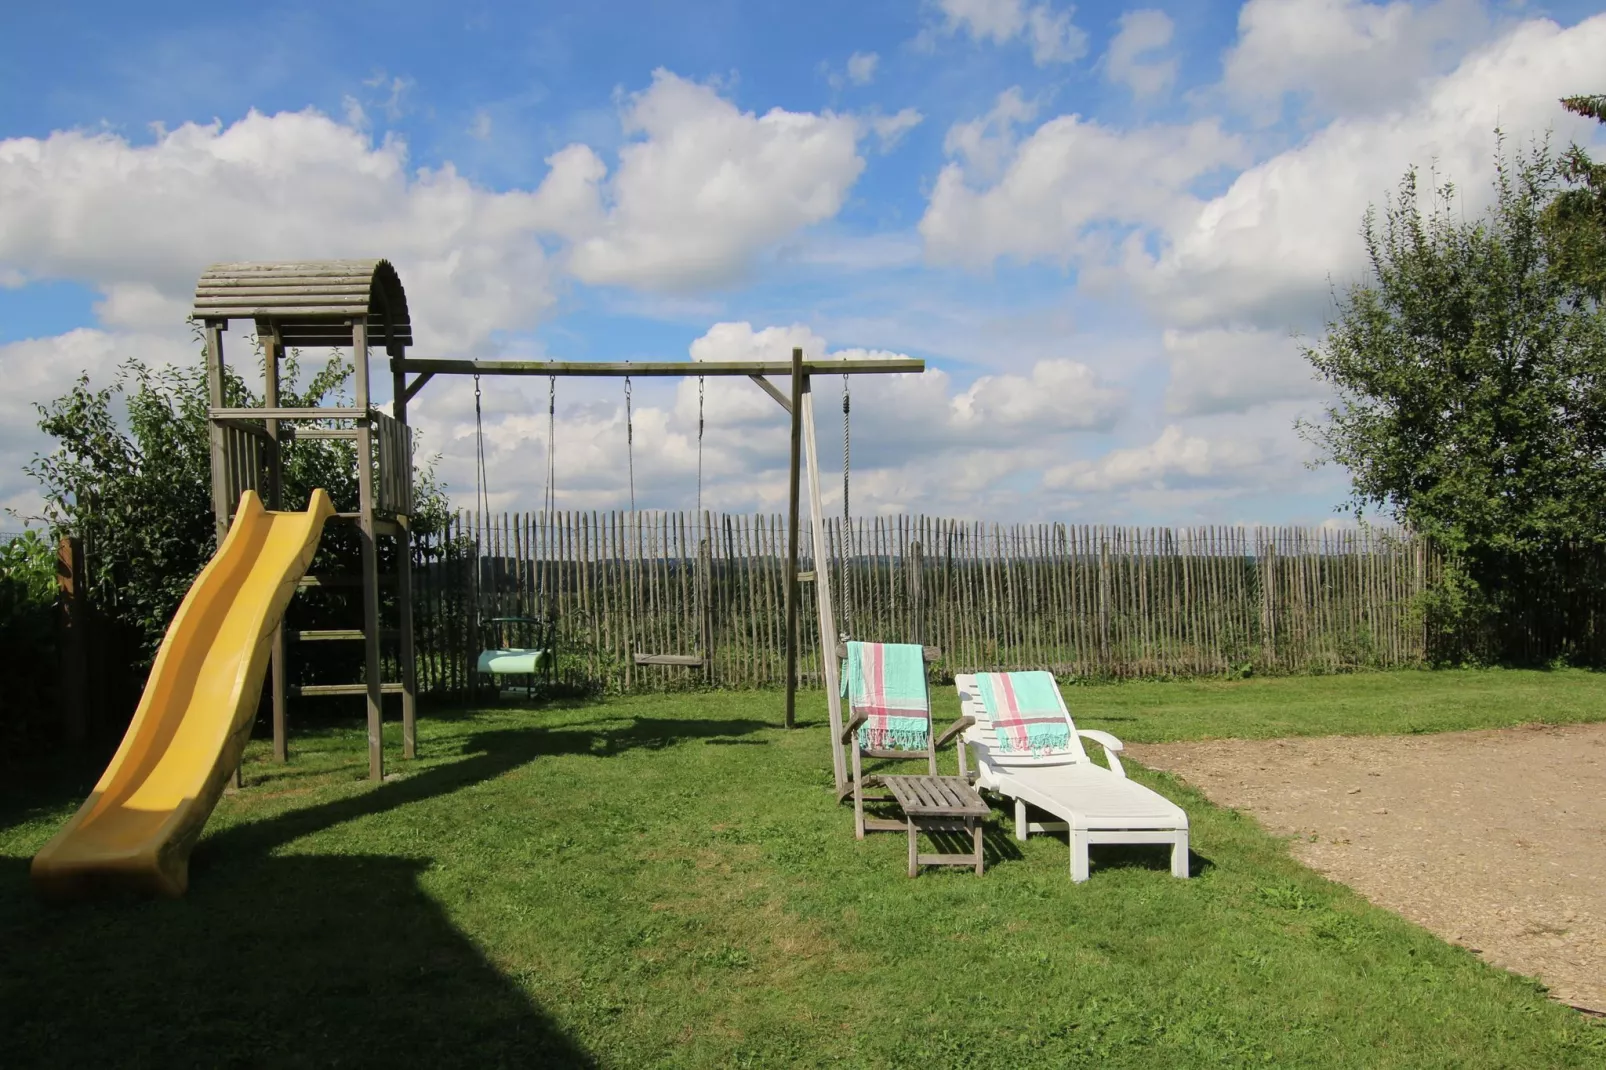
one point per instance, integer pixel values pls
(935, 796)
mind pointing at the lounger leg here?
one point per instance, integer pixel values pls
(1020, 820)
(914, 848)
(858, 810)
(1078, 855)
(1179, 855)
(975, 839)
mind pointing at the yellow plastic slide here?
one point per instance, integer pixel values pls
(137, 828)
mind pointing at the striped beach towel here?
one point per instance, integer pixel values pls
(1026, 712)
(888, 682)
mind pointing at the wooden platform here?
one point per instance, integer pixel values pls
(939, 804)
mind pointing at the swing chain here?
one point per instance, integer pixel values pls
(482, 488)
(630, 445)
(551, 440)
(699, 519)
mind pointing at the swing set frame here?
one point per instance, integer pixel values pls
(798, 403)
(358, 303)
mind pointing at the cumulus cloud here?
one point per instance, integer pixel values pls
(904, 428)
(1130, 60)
(705, 187)
(1051, 34)
(140, 222)
(1230, 369)
(1346, 55)
(1264, 251)
(1068, 176)
(1174, 459)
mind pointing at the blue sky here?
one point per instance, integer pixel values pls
(1102, 226)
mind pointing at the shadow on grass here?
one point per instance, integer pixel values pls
(292, 961)
(282, 962)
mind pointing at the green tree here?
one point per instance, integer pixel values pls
(1575, 221)
(1470, 383)
(131, 475)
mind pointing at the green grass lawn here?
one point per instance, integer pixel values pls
(665, 881)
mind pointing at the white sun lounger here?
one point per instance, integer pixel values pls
(1094, 804)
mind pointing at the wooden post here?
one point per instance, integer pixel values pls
(822, 595)
(404, 570)
(214, 393)
(916, 564)
(272, 346)
(73, 624)
(221, 506)
(791, 537)
(370, 553)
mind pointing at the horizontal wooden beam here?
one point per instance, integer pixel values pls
(619, 369)
(927, 653)
(288, 414)
(309, 690)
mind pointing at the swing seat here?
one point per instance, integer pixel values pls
(514, 661)
(520, 646)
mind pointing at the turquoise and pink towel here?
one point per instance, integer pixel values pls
(1026, 712)
(888, 682)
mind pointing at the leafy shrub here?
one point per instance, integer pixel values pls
(27, 638)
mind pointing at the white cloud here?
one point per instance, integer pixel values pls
(480, 128)
(1130, 61)
(1229, 370)
(708, 187)
(904, 427)
(140, 222)
(1263, 252)
(1069, 175)
(1052, 36)
(890, 129)
(1174, 459)
(861, 67)
(1348, 55)
(987, 143)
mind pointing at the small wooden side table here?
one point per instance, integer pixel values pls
(939, 804)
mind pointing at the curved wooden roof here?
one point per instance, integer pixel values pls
(309, 301)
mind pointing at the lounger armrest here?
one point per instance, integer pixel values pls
(954, 729)
(1110, 744)
(853, 726)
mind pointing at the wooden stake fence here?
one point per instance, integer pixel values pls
(1074, 599)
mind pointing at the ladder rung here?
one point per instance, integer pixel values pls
(385, 579)
(314, 634)
(344, 689)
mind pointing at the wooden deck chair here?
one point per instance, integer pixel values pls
(858, 751)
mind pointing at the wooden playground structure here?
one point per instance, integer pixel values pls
(361, 304)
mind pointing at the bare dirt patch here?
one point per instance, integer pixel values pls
(1495, 839)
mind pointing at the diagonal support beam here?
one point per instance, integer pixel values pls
(773, 391)
(415, 386)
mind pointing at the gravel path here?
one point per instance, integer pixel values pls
(1494, 839)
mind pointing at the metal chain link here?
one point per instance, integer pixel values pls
(630, 445)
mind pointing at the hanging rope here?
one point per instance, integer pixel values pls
(847, 451)
(630, 445)
(482, 485)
